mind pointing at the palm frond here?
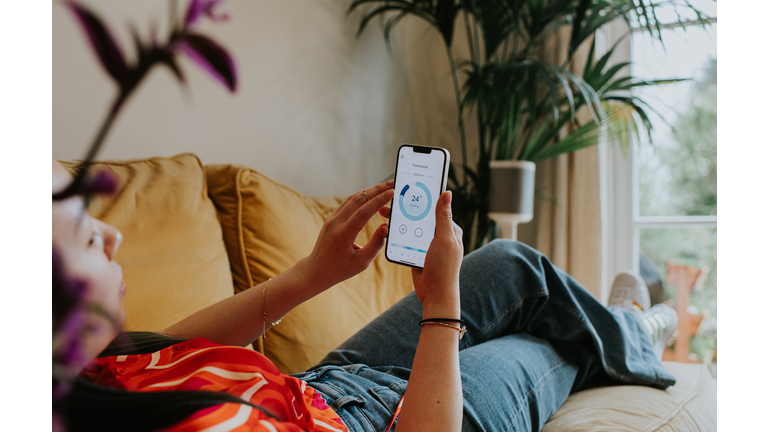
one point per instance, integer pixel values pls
(590, 70)
(578, 19)
(598, 14)
(627, 83)
(498, 19)
(585, 136)
(381, 10)
(550, 132)
(440, 14)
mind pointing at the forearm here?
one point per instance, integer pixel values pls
(238, 320)
(434, 400)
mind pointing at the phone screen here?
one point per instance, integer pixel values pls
(420, 178)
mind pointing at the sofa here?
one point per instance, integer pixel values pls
(197, 234)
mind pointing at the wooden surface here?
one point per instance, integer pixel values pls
(685, 279)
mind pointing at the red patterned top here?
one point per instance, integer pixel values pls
(200, 364)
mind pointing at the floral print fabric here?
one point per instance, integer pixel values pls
(200, 364)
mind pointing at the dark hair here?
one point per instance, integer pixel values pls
(92, 407)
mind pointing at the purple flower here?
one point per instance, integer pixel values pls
(210, 57)
(197, 8)
(102, 41)
(58, 423)
(203, 51)
(68, 334)
(68, 296)
(69, 318)
(101, 183)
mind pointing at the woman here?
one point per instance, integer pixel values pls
(534, 335)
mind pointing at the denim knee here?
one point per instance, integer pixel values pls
(509, 246)
(503, 252)
(505, 266)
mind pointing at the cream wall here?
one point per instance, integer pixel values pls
(316, 108)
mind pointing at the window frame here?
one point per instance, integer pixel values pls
(620, 192)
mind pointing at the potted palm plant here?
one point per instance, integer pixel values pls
(525, 105)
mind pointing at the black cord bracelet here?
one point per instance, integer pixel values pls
(428, 320)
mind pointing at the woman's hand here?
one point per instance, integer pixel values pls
(237, 320)
(434, 400)
(437, 286)
(336, 256)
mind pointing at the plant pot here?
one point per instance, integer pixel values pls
(511, 195)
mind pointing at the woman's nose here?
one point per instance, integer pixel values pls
(113, 239)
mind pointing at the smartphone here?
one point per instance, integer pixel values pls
(421, 175)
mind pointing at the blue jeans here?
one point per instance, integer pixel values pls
(535, 335)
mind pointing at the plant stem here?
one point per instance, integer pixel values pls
(75, 186)
(482, 190)
(468, 210)
(477, 35)
(469, 37)
(517, 32)
(479, 69)
(457, 90)
(524, 143)
(504, 52)
(105, 126)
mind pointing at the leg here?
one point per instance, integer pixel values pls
(507, 288)
(514, 382)
(518, 290)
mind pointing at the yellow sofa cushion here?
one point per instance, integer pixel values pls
(268, 227)
(173, 257)
(688, 406)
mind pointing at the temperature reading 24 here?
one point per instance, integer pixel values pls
(421, 201)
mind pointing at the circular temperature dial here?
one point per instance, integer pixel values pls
(415, 202)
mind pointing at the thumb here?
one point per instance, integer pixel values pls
(368, 252)
(444, 215)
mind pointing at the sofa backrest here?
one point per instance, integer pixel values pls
(174, 261)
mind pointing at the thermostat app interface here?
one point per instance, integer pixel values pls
(419, 180)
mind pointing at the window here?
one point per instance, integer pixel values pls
(663, 196)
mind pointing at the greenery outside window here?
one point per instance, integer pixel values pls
(668, 213)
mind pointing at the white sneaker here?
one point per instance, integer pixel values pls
(630, 292)
(661, 322)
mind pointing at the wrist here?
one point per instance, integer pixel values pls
(442, 306)
(309, 276)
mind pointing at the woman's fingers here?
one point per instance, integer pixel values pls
(357, 221)
(341, 206)
(444, 215)
(385, 211)
(374, 245)
(416, 276)
(358, 200)
(459, 233)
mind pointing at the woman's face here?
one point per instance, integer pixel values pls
(87, 248)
